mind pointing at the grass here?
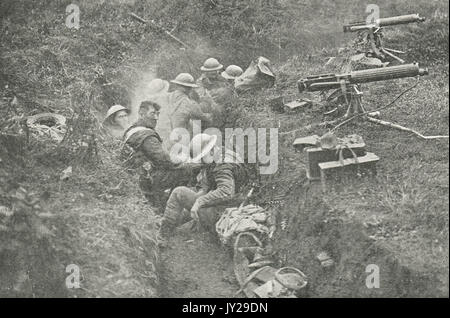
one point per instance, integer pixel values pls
(97, 208)
(409, 198)
(52, 68)
(410, 195)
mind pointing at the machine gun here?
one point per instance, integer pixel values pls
(331, 81)
(347, 88)
(374, 33)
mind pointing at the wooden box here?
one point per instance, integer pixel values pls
(316, 155)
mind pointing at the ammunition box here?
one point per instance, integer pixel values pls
(316, 155)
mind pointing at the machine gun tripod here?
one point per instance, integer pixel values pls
(350, 95)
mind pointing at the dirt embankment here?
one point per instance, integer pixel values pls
(97, 225)
(313, 227)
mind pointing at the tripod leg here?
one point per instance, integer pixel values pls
(360, 107)
(393, 56)
(349, 110)
(393, 51)
(373, 43)
(399, 127)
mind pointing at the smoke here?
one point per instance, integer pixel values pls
(165, 63)
(140, 93)
(143, 91)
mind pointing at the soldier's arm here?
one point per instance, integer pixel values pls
(153, 150)
(195, 112)
(225, 188)
(206, 103)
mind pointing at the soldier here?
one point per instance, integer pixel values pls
(157, 91)
(158, 170)
(117, 119)
(221, 179)
(214, 91)
(231, 103)
(183, 109)
(231, 72)
(210, 78)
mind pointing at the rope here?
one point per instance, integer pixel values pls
(339, 151)
(378, 109)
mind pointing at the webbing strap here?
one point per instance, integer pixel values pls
(134, 130)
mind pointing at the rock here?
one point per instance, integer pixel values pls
(66, 174)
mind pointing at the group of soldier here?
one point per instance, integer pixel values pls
(198, 186)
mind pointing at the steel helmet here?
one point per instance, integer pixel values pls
(184, 79)
(200, 145)
(210, 65)
(114, 109)
(328, 141)
(232, 71)
(157, 85)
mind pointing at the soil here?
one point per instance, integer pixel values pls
(314, 227)
(196, 266)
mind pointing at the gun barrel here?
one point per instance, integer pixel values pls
(382, 22)
(401, 19)
(387, 73)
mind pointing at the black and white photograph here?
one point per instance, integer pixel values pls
(238, 151)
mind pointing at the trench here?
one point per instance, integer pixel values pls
(198, 266)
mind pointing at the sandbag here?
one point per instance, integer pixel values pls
(243, 219)
(258, 75)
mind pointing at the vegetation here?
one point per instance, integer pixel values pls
(47, 67)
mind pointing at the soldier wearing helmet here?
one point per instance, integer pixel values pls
(157, 86)
(183, 110)
(158, 92)
(117, 119)
(214, 91)
(231, 97)
(221, 179)
(231, 73)
(210, 80)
